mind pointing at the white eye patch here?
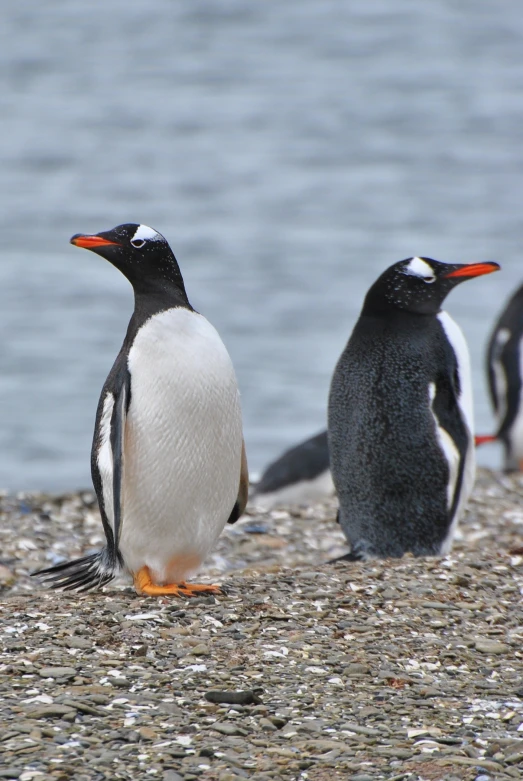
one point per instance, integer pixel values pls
(143, 234)
(420, 268)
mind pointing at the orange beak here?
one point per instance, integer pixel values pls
(473, 270)
(91, 242)
(481, 439)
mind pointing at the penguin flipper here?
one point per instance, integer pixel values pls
(243, 491)
(117, 438)
(107, 456)
(82, 574)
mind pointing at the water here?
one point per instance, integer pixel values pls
(288, 151)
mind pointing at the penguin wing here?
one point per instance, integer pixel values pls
(453, 435)
(107, 462)
(119, 415)
(243, 490)
(504, 376)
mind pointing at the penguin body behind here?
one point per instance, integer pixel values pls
(400, 415)
(301, 475)
(505, 372)
(168, 461)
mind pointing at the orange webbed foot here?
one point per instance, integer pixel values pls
(144, 585)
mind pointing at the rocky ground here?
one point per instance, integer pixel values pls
(408, 669)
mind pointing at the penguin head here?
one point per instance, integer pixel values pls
(420, 285)
(140, 253)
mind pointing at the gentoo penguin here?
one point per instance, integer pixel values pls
(301, 475)
(168, 461)
(400, 415)
(505, 370)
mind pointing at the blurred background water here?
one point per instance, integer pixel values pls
(288, 151)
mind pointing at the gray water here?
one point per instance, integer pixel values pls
(288, 151)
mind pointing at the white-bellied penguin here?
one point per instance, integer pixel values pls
(168, 461)
(505, 372)
(301, 475)
(400, 415)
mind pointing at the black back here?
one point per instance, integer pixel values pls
(388, 468)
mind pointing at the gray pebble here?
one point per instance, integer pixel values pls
(57, 672)
(171, 775)
(49, 711)
(490, 646)
(228, 729)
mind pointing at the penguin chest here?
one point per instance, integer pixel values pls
(183, 440)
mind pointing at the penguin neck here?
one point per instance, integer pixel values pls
(153, 298)
(396, 313)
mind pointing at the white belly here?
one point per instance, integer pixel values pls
(183, 442)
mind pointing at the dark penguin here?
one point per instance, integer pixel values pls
(168, 461)
(400, 415)
(505, 370)
(301, 475)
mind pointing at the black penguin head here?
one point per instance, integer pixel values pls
(419, 285)
(141, 254)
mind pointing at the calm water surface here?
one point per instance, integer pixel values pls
(288, 151)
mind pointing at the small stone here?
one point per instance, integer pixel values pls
(429, 691)
(7, 578)
(78, 642)
(83, 707)
(232, 697)
(172, 775)
(10, 773)
(356, 669)
(228, 729)
(57, 672)
(200, 650)
(487, 646)
(147, 733)
(121, 683)
(50, 712)
(267, 725)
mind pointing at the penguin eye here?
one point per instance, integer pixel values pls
(137, 243)
(429, 280)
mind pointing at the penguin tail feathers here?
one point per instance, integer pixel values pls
(81, 574)
(351, 556)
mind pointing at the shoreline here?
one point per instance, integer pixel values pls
(396, 669)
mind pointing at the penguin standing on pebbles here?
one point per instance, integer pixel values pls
(505, 372)
(400, 415)
(168, 461)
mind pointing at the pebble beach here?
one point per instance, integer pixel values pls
(302, 670)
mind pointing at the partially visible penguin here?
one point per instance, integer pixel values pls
(505, 372)
(301, 475)
(168, 461)
(400, 415)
